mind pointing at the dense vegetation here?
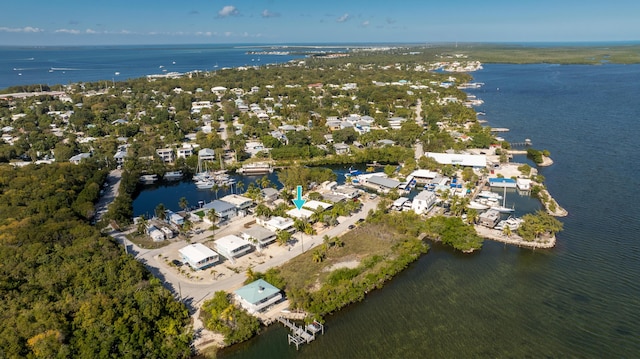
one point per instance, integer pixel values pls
(454, 232)
(537, 225)
(386, 244)
(68, 291)
(222, 316)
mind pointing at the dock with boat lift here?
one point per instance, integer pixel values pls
(301, 335)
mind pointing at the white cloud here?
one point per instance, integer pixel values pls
(266, 13)
(228, 10)
(20, 29)
(67, 31)
(91, 31)
(228, 33)
(365, 23)
(343, 18)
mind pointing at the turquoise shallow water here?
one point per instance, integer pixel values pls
(580, 299)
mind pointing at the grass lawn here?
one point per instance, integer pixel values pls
(362, 242)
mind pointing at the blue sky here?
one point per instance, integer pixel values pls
(114, 22)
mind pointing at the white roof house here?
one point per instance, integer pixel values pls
(78, 158)
(240, 202)
(381, 183)
(300, 213)
(277, 223)
(258, 295)
(224, 210)
(260, 234)
(206, 154)
(423, 201)
(313, 205)
(198, 256)
(156, 234)
(232, 246)
(476, 161)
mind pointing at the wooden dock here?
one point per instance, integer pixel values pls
(301, 335)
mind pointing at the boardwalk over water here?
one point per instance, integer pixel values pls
(301, 335)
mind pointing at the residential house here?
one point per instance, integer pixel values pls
(277, 223)
(259, 235)
(79, 157)
(269, 194)
(257, 296)
(489, 218)
(166, 154)
(199, 256)
(232, 246)
(423, 202)
(341, 148)
(224, 210)
(206, 154)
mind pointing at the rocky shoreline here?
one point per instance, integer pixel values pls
(499, 236)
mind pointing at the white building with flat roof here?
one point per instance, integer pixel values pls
(475, 161)
(259, 234)
(300, 213)
(314, 205)
(240, 202)
(199, 256)
(277, 223)
(232, 246)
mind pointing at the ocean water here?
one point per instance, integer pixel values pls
(64, 65)
(580, 299)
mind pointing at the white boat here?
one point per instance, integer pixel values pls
(173, 175)
(148, 178)
(205, 184)
(503, 209)
(489, 194)
(477, 205)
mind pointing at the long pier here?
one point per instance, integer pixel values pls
(301, 335)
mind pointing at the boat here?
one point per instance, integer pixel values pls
(205, 184)
(477, 205)
(489, 194)
(503, 208)
(255, 169)
(173, 175)
(148, 179)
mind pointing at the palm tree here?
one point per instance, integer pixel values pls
(318, 256)
(338, 242)
(160, 211)
(212, 216)
(183, 203)
(142, 225)
(506, 230)
(215, 189)
(251, 275)
(283, 237)
(326, 240)
(239, 186)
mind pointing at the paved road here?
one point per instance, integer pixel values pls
(110, 192)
